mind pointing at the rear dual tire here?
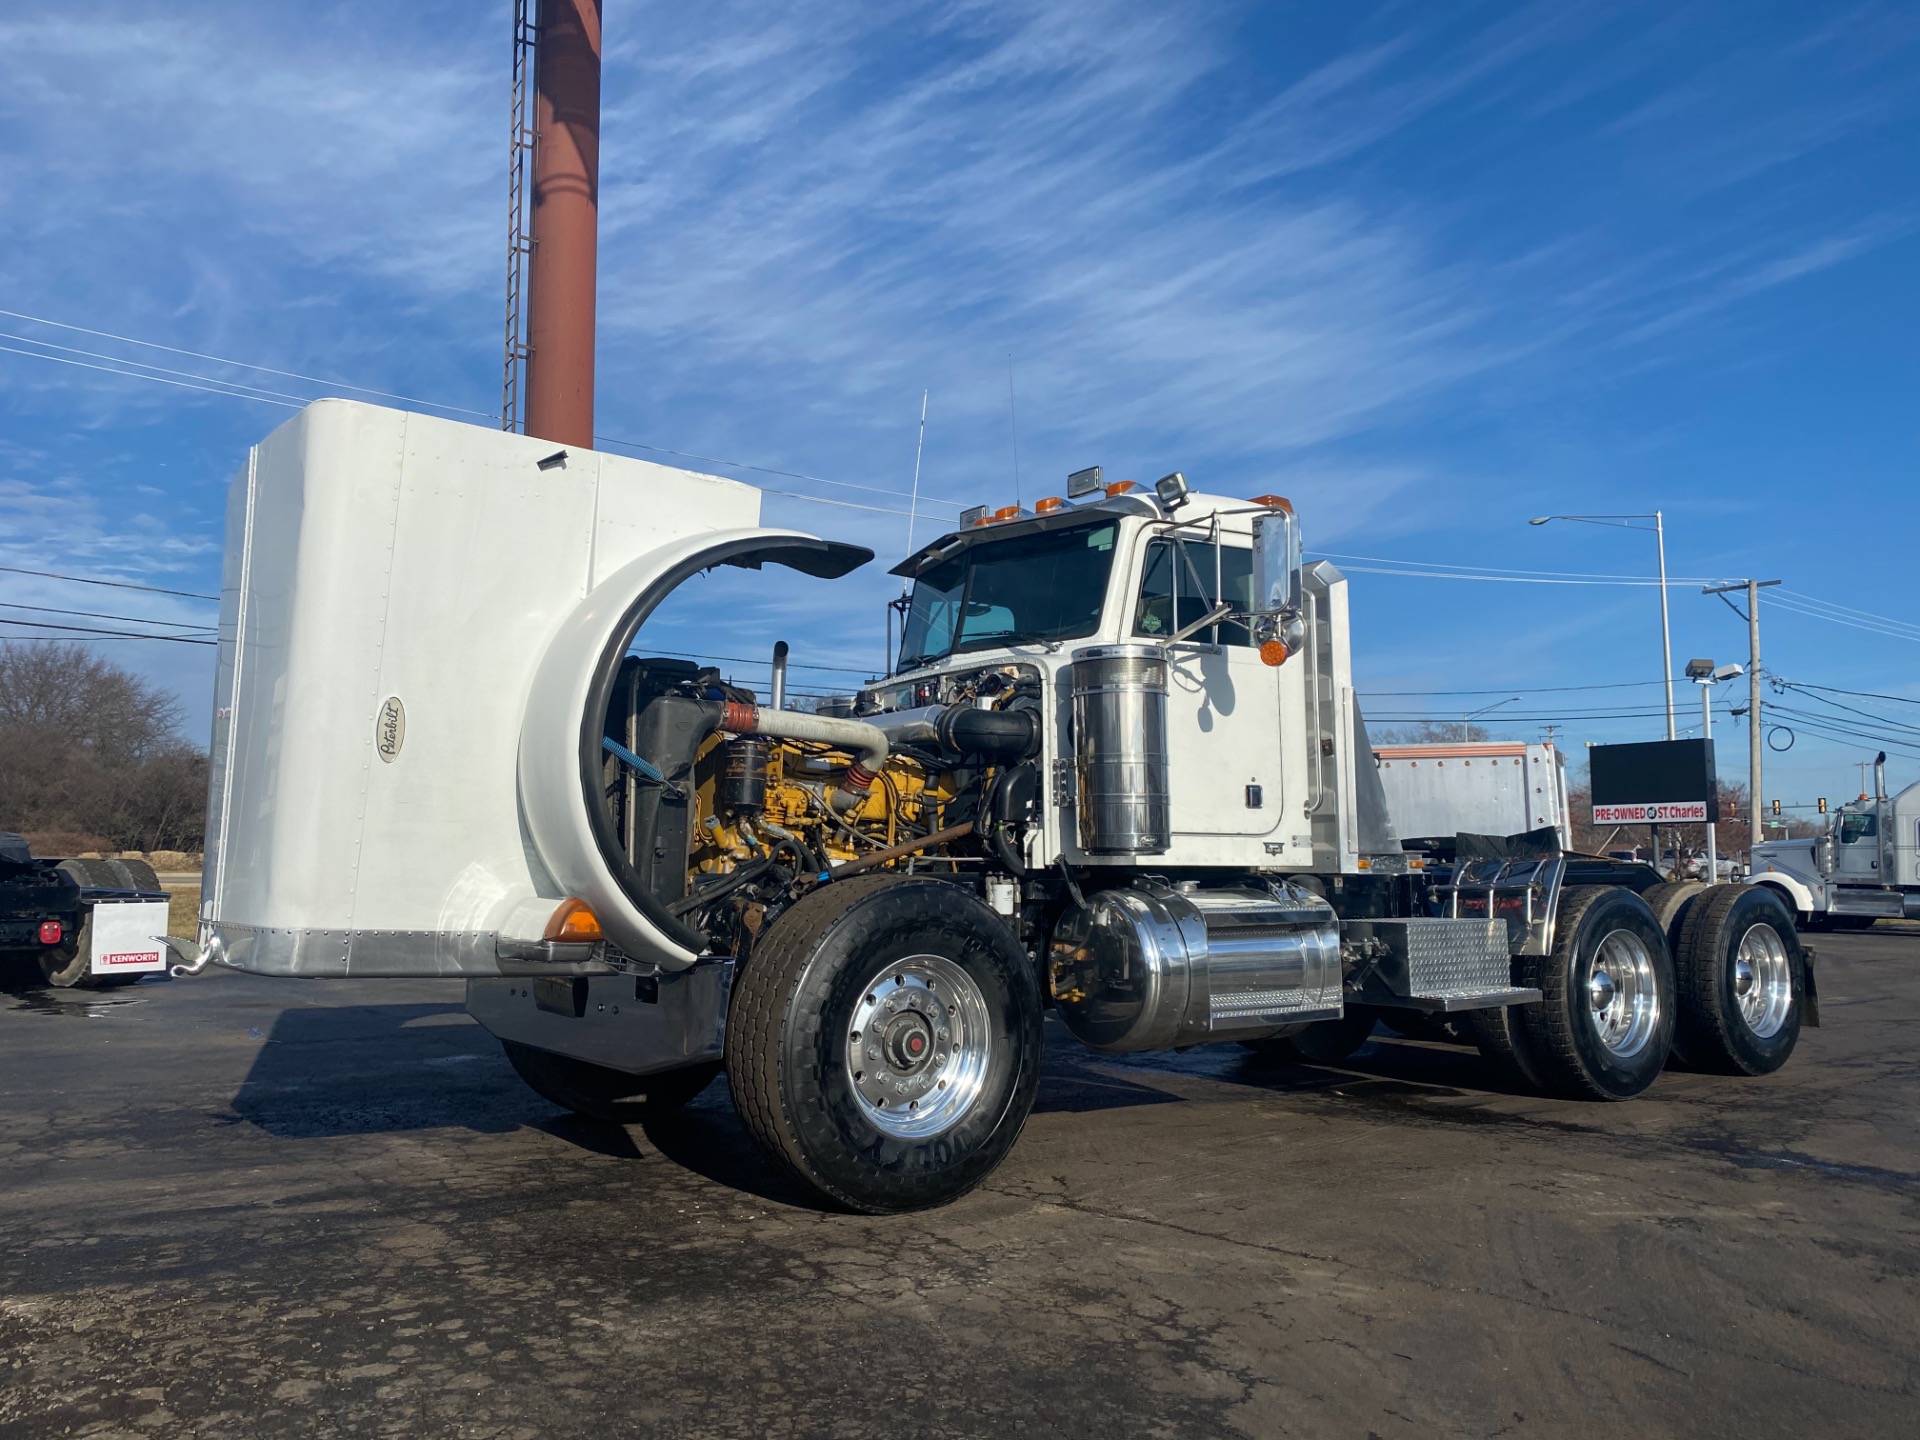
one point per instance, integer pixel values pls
(1604, 1023)
(1742, 980)
(68, 966)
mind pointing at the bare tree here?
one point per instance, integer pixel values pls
(1429, 732)
(86, 746)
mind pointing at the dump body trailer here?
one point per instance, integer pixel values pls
(1119, 771)
(1490, 787)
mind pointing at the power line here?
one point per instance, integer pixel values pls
(1481, 572)
(1530, 690)
(1862, 614)
(1784, 685)
(98, 615)
(1887, 630)
(238, 390)
(121, 634)
(115, 584)
(239, 364)
(235, 385)
(213, 389)
(1856, 694)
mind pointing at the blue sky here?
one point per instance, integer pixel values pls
(1430, 270)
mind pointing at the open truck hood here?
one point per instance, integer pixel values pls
(418, 621)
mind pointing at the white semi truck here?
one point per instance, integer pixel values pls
(1866, 867)
(1118, 772)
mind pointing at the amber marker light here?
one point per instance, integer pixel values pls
(1048, 505)
(1006, 512)
(573, 923)
(1273, 502)
(1121, 487)
(1274, 652)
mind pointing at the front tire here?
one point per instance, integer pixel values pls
(1604, 1027)
(1742, 982)
(884, 1042)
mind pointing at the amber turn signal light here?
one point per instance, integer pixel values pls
(1274, 652)
(574, 923)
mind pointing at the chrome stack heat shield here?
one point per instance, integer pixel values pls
(1120, 749)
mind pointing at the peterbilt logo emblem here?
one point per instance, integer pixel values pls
(390, 730)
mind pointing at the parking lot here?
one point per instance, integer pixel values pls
(244, 1207)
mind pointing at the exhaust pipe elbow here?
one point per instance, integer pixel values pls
(868, 744)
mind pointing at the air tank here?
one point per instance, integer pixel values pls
(1120, 748)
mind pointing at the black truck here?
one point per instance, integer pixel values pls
(46, 911)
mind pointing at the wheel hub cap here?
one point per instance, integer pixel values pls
(1622, 994)
(918, 1047)
(1762, 980)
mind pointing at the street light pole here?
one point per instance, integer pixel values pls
(1484, 710)
(1625, 522)
(1706, 733)
(1757, 833)
(1666, 626)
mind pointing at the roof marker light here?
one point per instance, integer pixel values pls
(1121, 487)
(1006, 512)
(1048, 505)
(1273, 502)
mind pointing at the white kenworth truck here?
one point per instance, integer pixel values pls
(1117, 772)
(1865, 867)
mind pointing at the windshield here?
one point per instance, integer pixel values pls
(1046, 586)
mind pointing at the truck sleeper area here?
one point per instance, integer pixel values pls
(1117, 771)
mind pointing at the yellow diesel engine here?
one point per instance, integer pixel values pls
(730, 810)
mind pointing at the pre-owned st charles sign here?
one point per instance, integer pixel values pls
(1658, 783)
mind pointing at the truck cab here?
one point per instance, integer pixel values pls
(1866, 866)
(1264, 768)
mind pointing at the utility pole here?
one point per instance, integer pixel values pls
(1752, 617)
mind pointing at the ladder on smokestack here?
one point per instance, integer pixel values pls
(519, 236)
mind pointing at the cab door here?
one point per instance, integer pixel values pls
(1223, 703)
(1858, 858)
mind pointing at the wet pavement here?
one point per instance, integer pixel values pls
(245, 1207)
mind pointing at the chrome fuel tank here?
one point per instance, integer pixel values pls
(1150, 967)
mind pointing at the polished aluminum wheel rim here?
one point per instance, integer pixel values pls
(1762, 980)
(918, 1047)
(1622, 994)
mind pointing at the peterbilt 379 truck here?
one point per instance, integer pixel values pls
(1866, 867)
(1118, 773)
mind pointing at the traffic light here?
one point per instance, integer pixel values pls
(1776, 809)
(1822, 803)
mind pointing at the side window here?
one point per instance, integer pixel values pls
(1179, 585)
(1858, 827)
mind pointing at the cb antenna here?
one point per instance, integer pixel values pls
(1013, 426)
(913, 504)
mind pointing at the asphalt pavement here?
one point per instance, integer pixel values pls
(245, 1207)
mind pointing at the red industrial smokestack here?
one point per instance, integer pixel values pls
(565, 222)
